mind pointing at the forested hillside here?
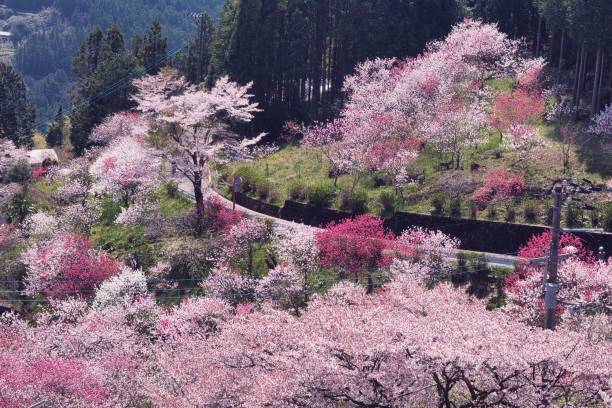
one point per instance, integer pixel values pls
(47, 34)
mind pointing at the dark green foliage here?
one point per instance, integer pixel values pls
(607, 218)
(102, 63)
(20, 207)
(438, 202)
(127, 244)
(16, 112)
(455, 208)
(387, 202)
(20, 173)
(46, 43)
(573, 217)
(321, 195)
(55, 133)
(356, 202)
(297, 190)
(152, 51)
(531, 212)
(510, 214)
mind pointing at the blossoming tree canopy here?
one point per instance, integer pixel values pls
(197, 123)
(66, 266)
(439, 97)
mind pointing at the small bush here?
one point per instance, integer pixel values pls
(356, 202)
(438, 202)
(321, 195)
(387, 201)
(297, 191)
(455, 208)
(19, 173)
(510, 215)
(595, 218)
(250, 178)
(172, 189)
(274, 196)
(573, 217)
(607, 218)
(531, 212)
(491, 212)
(263, 188)
(473, 210)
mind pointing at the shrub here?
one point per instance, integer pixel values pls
(321, 195)
(218, 217)
(455, 208)
(250, 178)
(387, 201)
(356, 202)
(607, 218)
(531, 212)
(510, 214)
(473, 210)
(438, 202)
(573, 217)
(491, 212)
(274, 196)
(171, 189)
(263, 188)
(20, 173)
(501, 183)
(297, 190)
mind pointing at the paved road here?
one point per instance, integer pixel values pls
(494, 260)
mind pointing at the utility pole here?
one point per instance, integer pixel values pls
(552, 284)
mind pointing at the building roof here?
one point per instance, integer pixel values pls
(5, 34)
(37, 157)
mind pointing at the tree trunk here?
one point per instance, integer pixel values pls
(576, 73)
(601, 75)
(595, 96)
(561, 49)
(581, 79)
(538, 37)
(199, 196)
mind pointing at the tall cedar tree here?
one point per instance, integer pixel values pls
(152, 51)
(104, 70)
(297, 52)
(55, 133)
(17, 114)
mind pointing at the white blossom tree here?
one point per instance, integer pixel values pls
(197, 123)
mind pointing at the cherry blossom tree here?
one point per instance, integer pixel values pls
(229, 285)
(125, 169)
(356, 246)
(500, 184)
(283, 286)
(66, 266)
(242, 240)
(118, 126)
(602, 122)
(524, 140)
(198, 123)
(519, 108)
(297, 246)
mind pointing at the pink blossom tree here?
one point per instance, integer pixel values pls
(197, 123)
(125, 169)
(500, 184)
(10, 156)
(66, 266)
(242, 241)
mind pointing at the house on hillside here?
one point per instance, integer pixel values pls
(6, 37)
(42, 157)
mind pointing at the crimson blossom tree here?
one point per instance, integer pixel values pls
(500, 184)
(356, 245)
(198, 123)
(66, 266)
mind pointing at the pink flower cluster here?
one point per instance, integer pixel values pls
(500, 184)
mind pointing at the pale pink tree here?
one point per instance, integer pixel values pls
(198, 123)
(125, 169)
(118, 126)
(242, 241)
(10, 156)
(66, 266)
(297, 245)
(229, 285)
(524, 140)
(284, 287)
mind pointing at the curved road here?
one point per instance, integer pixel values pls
(185, 187)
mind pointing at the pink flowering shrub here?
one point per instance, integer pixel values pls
(66, 266)
(355, 245)
(218, 217)
(500, 184)
(39, 172)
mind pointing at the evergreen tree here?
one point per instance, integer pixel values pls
(17, 114)
(152, 51)
(55, 134)
(104, 69)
